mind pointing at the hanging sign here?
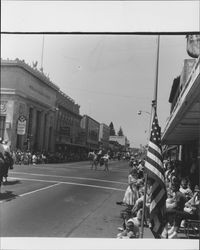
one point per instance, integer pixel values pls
(21, 125)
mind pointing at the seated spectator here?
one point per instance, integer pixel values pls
(185, 189)
(174, 209)
(192, 206)
(139, 204)
(132, 228)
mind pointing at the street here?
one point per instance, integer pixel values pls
(63, 200)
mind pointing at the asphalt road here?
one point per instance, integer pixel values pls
(62, 200)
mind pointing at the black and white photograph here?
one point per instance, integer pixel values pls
(100, 125)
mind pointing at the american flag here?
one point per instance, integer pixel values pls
(155, 174)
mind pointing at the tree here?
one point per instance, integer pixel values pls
(120, 132)
(112, 130)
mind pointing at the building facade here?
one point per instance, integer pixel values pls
(182, 131)
(104, 134)
(122, 140)
(30, 105)
(90, 128)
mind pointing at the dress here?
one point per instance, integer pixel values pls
(131, 195)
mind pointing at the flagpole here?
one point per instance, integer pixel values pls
(153, 109)
(42, 55)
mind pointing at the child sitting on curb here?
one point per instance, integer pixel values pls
(132, 227)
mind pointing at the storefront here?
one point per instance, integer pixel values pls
(183, 127)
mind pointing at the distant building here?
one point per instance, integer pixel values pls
(122, 140)
(91, 129)
(104, 134)
(68, 119)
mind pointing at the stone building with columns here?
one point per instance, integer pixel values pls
(30, 106)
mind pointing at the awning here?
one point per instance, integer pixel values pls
(183, 125)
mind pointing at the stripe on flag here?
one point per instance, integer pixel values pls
(155, 171)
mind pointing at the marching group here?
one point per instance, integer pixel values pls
(99, 158)
(182, 203)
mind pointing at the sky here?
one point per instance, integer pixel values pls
(111, 77)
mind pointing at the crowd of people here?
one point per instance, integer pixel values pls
(28, 157)
(182, 201)
(183, 194)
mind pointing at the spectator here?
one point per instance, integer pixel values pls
(34, 159)
(184, 188)
(131, 227)
(192, 208)
(174, 208)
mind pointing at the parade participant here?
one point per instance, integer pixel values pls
(106, 158)
(93, 161)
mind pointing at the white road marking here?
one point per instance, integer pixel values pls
(40, 189)
(71, 183)
(31, 192)
(72, 177)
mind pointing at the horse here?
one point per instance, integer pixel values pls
(101, 160)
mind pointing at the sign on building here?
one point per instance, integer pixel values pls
(21, 125)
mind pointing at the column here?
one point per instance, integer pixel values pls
(41, 130)
(33, 130)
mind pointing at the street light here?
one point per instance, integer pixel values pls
(142, 111)
(147, 112)
(53, 109)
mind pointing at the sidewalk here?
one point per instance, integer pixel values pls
(147, 233)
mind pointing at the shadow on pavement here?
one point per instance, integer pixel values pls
(8, 195)
(11, 182)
